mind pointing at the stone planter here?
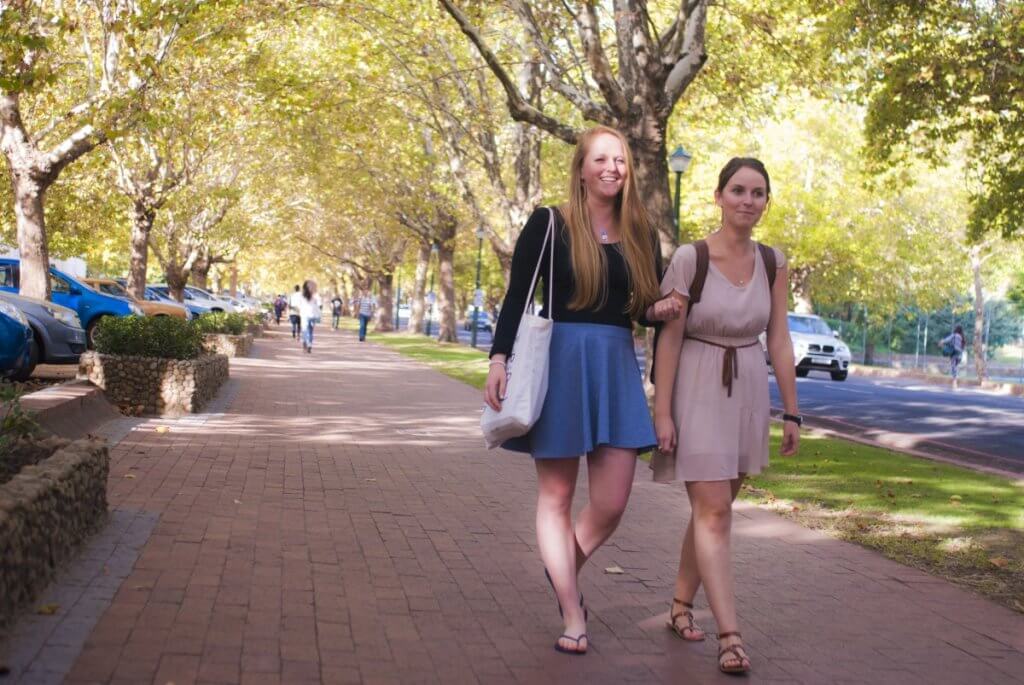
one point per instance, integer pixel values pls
(169, 387)
(228, 345)
(46, 511)
(254, 329)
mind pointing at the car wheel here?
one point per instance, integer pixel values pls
(839, 375)
(802, 373)
(33, 359)
(90, 332)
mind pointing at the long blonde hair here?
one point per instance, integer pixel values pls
(589, 263)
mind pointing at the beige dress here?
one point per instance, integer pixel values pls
(721, 436)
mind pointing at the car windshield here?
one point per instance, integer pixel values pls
(112, 289)
(809, 324)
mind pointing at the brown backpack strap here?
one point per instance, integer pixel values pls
(770, 265)
(699, 275)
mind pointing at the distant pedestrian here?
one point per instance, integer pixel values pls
(309, 313)
(953, 347)
(366, 305)
(279, 305)
(294, 302)
(711, 402)
(336, 305)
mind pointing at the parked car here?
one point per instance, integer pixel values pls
(90, 305)
(15, 340)
(149, 307)
(57, 335)
(152, 295)
(483, 320)
(816, 347)
(191, 297)
(201, 294)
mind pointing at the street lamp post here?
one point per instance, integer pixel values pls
(398, 296)
(430, 295)
(476, 293)
(678, 162)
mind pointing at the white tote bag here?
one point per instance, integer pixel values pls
(527, 366)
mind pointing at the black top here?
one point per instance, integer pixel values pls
(524, 261)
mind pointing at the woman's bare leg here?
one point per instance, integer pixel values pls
(712, 535)
(556, 484)
(610, 479)
(688, 579)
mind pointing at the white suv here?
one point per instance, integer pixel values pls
(816, 347)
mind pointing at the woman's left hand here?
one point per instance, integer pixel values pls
(790, 438)
(666, 309)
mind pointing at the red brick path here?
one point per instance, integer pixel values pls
(341, 523)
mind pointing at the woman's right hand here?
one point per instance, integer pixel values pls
(665, 429)
(494, 387)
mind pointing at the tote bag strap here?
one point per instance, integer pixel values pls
(551, 268)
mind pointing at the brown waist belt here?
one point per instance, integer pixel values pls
(731, 362)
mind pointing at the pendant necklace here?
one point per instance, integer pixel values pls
(604, 235)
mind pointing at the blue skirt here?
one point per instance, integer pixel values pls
(595, 395)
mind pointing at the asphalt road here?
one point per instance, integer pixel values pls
(975, 426)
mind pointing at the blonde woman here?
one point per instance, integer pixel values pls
(711, 392)
(606, 270)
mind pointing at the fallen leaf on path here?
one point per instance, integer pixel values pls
(999, 562)
(129, 475)
(615, 570)
(238, 501)
(162, 429)
(48, 609)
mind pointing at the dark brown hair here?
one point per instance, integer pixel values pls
(737, 163)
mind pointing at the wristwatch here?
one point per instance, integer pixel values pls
(795, 418)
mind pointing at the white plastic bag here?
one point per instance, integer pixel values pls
(526, 367)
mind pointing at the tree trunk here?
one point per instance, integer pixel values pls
(980, 361)
(32, 243)
(652, 182)
(177, 279)
(143, 217)
(234, 280)
(802, 302)
(446, 293)
(200, 273)
(419, 287)
(385, 304)
(869, 352)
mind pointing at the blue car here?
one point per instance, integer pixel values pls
(90, 305)
(15, 338)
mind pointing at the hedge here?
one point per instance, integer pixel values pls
(159, 336)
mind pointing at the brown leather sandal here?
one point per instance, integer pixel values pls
(743, 665)
(690, 625)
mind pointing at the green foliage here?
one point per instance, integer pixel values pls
(222, 322)
(15, 422)
(167, 337)
(937, 74)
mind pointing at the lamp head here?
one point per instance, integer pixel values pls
(679, 160)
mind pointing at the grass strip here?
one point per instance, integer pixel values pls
(958, 524)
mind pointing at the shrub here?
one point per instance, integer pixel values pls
(160, 336)
(221, 322)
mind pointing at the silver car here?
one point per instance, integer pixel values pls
(57, 335)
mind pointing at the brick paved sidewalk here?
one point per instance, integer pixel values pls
(338, 521)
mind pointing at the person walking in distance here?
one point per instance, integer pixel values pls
(309, 313)
(366, 305)
(279, 305)
(711, 406)
(953, 347)
(294, 303)
(336, 304)
(606, 267)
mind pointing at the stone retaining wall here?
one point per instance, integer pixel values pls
(46, 511)
(155, 386)
(229, 345)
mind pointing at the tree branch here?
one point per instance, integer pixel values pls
(688, 60)
(518, 107)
